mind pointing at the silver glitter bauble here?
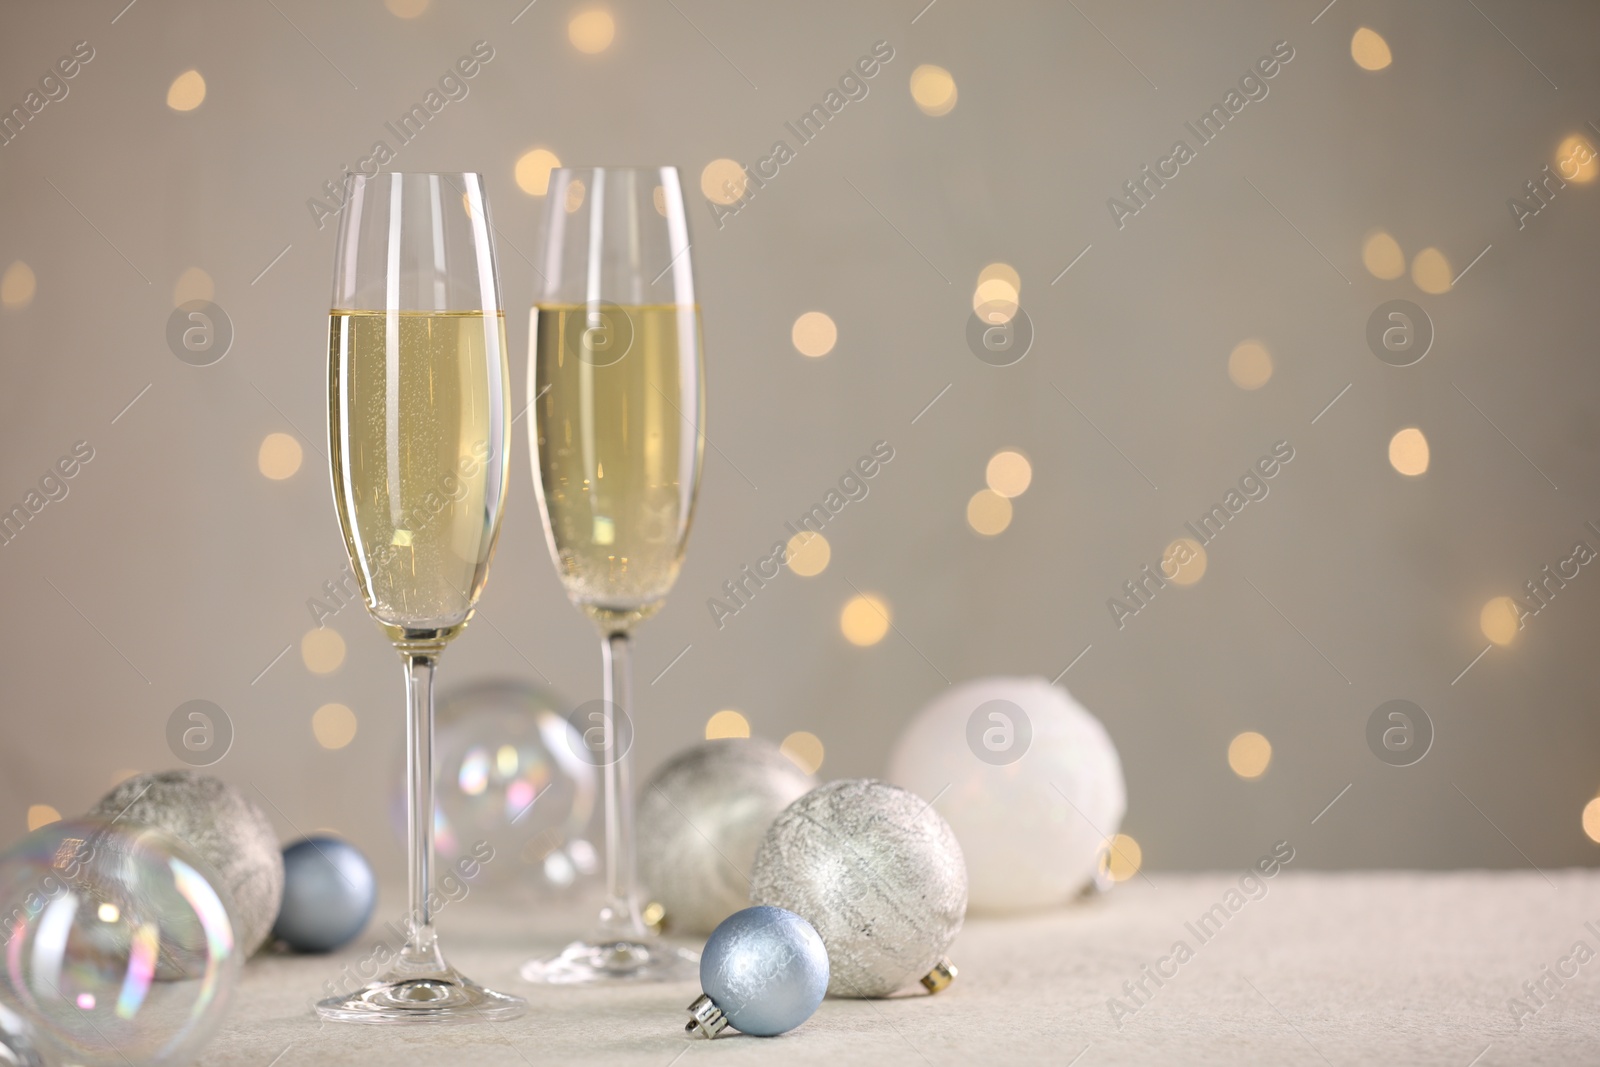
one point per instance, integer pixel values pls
(700, 819)
(764, 971)
(220, 823)
(879, 874)
(1029, 780)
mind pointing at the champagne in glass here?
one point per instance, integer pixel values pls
(417, 422)
(618, 397)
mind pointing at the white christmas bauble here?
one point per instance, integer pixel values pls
(1028, 780)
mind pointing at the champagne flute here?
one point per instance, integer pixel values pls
(417, 423)
(618, 395)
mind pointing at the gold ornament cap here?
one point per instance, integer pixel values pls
(937, 980)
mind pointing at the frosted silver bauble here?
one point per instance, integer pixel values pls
(1028, 780)
(880, 876)
(700, 819)
(764, 972)
(224, 826)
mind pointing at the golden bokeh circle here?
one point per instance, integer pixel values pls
(576, 191)
(988, 513)
(996, 301)
(591, 32)
(808, 554)
(1500, 620)
(805, 749)
(1249, 754)
(864, 620)
(1008, 473)
(1576, 160)
(1408, 452)
(1431, 271)
(533, 170)
(322, 650)
(1124, 857)
(727, 723)
(1250, 365)
(1370, 50)
(280, 456)
(1188, 558)
(193, 284)
(1591, 819)
(334, 726)
(933, 89)
(1382, 256)
(1003, 272)
(814, 334)
(723, 181)
(187, 91)
(17, 286)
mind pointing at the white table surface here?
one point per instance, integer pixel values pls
(1358, 968)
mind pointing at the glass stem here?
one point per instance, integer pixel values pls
(619, 918)
(422, 950)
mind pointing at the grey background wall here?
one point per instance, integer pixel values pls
(174, 570)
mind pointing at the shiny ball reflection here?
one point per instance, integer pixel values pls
(121, 949)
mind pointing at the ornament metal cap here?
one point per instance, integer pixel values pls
(944, 972)
(705, 1016)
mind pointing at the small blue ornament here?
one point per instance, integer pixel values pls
(329, 894)
(764, 971)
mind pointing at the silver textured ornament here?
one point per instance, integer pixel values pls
(879, 874)
(220, 823)
(700, 819)
(764, 971)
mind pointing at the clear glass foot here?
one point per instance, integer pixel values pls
(443, 995)
(643, 959)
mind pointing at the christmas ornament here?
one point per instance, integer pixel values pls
(224, 827)
(700, 819)
(878, 873)
(1028, 780)
(329, 894)
(16, 1041)
(498, 745)
(121, 945)
(764, 971)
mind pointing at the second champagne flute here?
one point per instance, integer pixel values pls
(618, 396)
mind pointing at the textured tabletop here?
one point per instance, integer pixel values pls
(1321, 969)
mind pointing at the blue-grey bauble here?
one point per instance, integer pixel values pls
(329, 894)
(767, 970)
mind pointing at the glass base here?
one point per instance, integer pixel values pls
(626, 960)
(440, 996)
